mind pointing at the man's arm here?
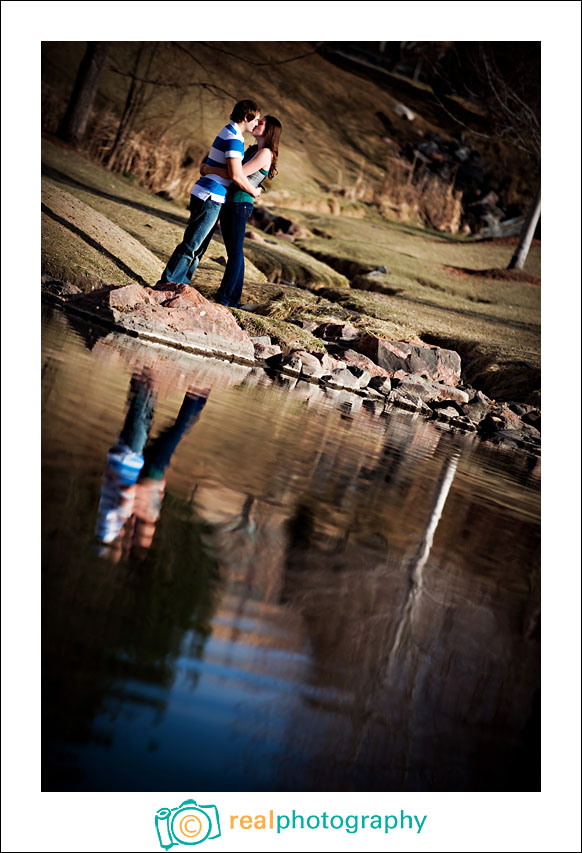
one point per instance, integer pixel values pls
(258, 161)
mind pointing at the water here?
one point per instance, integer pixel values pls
(304, 594)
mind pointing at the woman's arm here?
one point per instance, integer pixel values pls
(260, 160)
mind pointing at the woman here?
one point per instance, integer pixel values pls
(259, 162)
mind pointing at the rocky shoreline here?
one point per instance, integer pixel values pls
(423, 379)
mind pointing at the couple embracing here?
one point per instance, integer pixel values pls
(230, 182)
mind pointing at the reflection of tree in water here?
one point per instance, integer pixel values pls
(435, 680)
(109, 624)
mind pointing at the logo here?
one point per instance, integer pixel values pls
(189, 823)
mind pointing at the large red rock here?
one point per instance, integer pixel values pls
(357, 359)
(401, 359)
(176, 314)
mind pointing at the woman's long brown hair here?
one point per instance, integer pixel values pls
(271, 136)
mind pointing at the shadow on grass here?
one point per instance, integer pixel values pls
(95, 245)
(56, 175)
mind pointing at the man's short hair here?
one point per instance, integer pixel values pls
(245, 110)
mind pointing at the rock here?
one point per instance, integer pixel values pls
(128, 297)
(509, 418)
(435, 405)
(533, 418)
(477, 408)
(519, 408)
(500, 418)
(307, 325)
(341, 377)
(264, 352)
(426, 410)
(401, 359)
(357, 359)
(273, 224)
(361, 374)
(513, 438)
(336, 332)
(463, 422)
(404, 401)
(310, 365)
(447, 414)
(275, 361)
(265, 340)
(448, 392)
(508, 228)
(381, 384)
(373, 394)
(429, 391)
(254, 235)
(404, 112)
(292, 364)
(61, 289)
(177, 315)
(462, 153)
(329, 363)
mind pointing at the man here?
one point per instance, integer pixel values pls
(209, 193)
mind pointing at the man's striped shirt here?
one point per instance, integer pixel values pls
(229, 143)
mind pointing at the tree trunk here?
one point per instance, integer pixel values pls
(136, 95)
(527, 232)
(74, 123)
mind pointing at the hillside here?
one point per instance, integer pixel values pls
(342, 138)
(356, 203)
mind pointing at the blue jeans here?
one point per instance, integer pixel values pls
(159, 453)
(186, 257)
(233, 220)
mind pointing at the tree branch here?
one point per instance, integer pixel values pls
(212, 46)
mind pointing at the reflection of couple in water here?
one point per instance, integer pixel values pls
(134, 480)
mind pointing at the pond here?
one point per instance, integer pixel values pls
(250, 583)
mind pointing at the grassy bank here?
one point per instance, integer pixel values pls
(102, 226)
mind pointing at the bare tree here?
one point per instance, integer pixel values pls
(504, 77)
(137, 93)
(152, 76)
(518, 118)
(74, 123)
(527, 232)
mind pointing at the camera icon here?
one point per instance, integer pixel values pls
(189, 823)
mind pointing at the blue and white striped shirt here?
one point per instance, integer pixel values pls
(229, 143)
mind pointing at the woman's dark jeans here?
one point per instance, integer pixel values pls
(233, 220)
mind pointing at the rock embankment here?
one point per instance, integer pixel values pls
(172, 314)
(419, 378)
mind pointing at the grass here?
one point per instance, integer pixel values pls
(281, 332)
(111, 228)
